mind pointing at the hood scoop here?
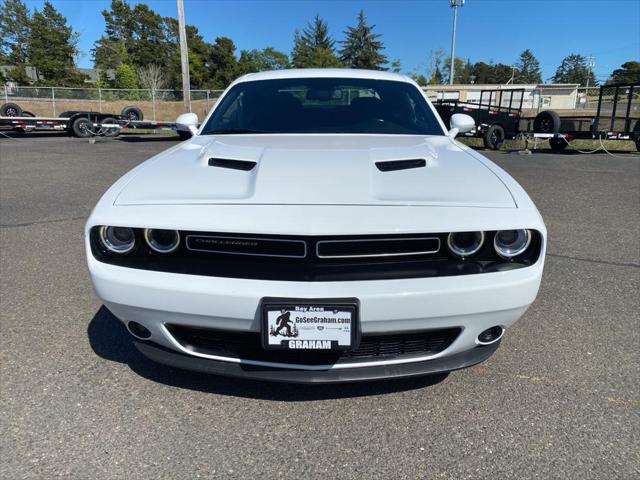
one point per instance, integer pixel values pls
(393, 165)
(244, 165)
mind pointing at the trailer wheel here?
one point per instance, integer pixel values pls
(109, 131)
(132, 113)
(10, 110)
(558, 144)
(493, 137)
(82, 127)
(26, 113)
(547, 121)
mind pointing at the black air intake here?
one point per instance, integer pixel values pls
(394, 165)
(244, 165)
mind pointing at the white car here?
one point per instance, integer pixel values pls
(320, 226)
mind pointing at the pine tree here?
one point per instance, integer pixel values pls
(629, 72)
(15, 27)
(361, 47)
(52, 48)
(528, 68)
(573, 69)
(436, 78)
(314, 48)
(126, 77)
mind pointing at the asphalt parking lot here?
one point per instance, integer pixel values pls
(559, 399)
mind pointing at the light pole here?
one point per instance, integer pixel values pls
(454, 4)
(184, 59)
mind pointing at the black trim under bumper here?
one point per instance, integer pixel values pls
(428, 367)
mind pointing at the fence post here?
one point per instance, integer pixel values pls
(53, 100)
(207, 102)
(100, 99)
(153, 102)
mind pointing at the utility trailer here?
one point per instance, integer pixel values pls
(497, 114)
(617, 118)
(83, 124)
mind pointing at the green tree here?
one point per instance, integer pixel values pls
(15, 28)
(629, 72)
(262, 60)
(490, 73)
(223, 63)
(126, 77)
(113, 47)
(527, 68)
(152, 43)
(145, 35)
(314, 47)
(437, 78)
(574, 69)
(361, 47)
(420, 79)
(199, 53)
(461, 72)
(52, 48)
(396, 66)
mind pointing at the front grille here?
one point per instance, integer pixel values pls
(304, 258)
(256, 246)
(247, 345)
(377, 247)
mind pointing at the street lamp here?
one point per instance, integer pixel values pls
(454, 4)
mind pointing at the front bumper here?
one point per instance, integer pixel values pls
(470, 302)
(428, 367)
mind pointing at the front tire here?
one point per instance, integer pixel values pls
(494, 137)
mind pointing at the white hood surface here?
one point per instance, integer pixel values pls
(316, 170)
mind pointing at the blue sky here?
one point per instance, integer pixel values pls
(495, 30)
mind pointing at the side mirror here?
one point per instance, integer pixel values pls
(187, 122)
(460, 123)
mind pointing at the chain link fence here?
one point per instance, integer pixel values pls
(162, 105)
(166, 105)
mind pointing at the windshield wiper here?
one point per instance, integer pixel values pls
(231, 131)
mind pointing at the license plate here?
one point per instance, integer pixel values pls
(309, 325)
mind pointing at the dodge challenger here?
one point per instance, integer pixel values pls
(319, 225)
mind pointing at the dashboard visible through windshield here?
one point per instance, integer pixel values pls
(323, 105)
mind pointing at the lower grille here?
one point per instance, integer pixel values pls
(247, 345)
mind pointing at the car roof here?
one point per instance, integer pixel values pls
(324, 73)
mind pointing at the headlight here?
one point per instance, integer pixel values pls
(117, 239)
(464, 244)
(162, 241)
(511, 243)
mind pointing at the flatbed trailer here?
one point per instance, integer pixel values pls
(496, 114)
(85, 124)
(617, 118)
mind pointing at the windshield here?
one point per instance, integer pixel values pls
(323, 105)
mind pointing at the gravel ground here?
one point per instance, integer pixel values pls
(559, 399)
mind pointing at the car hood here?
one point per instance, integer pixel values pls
(316, 170)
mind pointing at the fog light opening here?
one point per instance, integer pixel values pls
(490, 335)
(138, 330)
